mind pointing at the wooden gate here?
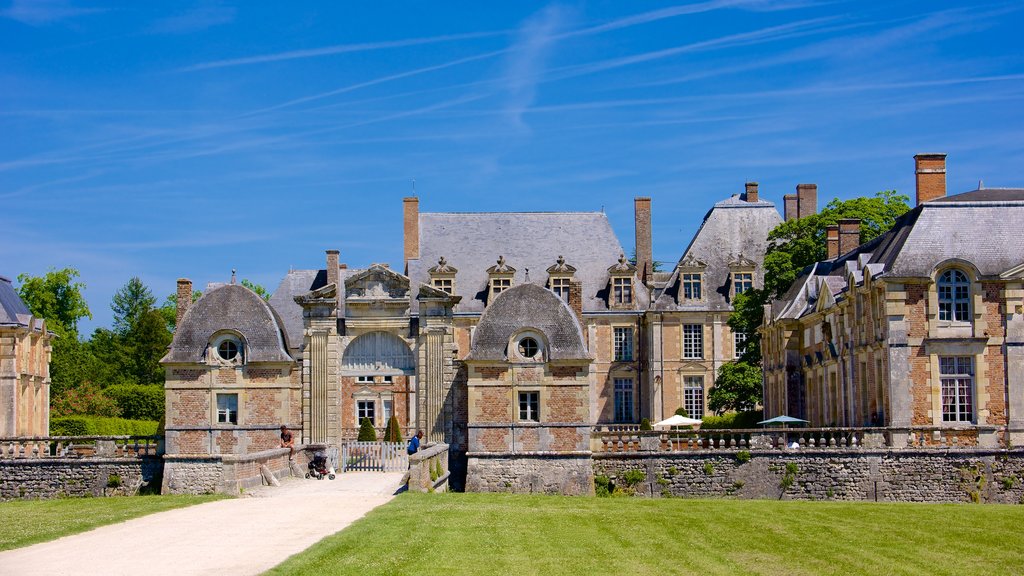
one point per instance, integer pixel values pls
(374, 456)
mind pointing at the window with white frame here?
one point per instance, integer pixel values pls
(386, 410)
(529, 406)
(691, 286)
(364, 379)
(957, 376)
(444, 285)
(560, 286)
(622, 290)
(366, 409)
(954, 296)
(388, 379)
(623, 399)
(739, 341)
(693, 395)
(693, 341)
(227, 408)
(741, 282)
(623, 340)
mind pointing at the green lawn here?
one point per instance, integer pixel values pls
(25, 522)
(478, 534)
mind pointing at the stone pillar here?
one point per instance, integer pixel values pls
(1015, 375)
(435, 412)
(8, 385)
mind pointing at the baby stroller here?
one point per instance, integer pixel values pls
(318, 467)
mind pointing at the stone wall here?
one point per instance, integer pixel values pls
(886, 476)
(64, 477)
(553, 474)
(229, 474)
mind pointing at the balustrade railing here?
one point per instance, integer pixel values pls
(79, 447)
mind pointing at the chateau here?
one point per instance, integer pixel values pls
(24, 368)
(508, 336)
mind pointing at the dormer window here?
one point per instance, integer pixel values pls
(226, 349)
(691, 285)
(742, 271)
(954, 296)
(442, 276)
(501, 275)
(560, 278)
(622, 283)
(691, 278)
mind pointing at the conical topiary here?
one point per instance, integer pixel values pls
(645, 424)
(366, 431)
(682, 412)
(393, 432)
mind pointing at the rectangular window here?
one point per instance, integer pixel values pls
(366, 409)
(443, 284)
(623, 399)
(499, 285)
(227, 408)
(622, 290)
(693, 395)
(386, 411)
(957, 376)
(623, 344)
(560, 286)
(388, 379)
(529, 406)
(691, 286)
(693, 341)
(741, 282)
(364, 379)
(739, 340)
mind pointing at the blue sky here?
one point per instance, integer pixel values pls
(186, 139)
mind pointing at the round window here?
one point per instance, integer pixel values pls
(228, 350)
(528, 347)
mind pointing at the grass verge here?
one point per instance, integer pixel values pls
(26, 522)
(480, 534)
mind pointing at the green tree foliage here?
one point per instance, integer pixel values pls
(645, 424)
(737, 387)
(257, 288)
(169, 309)
(130, 304)
(366, 431)
(393, 433)
(57, 297)
(137, 402)
(84, 400)
(682, 412)
(131, 352)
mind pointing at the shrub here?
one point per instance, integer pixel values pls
(645, 424)
(603, 486)
(709, 468)
(113, 481)
(787, 481)
(1008, 482)
(137, 402)
(733, 420)
(393, 433)
(433, 472)
(85, 399)
(633, 477)
(682, 412)
(791, 468)
(438, 467)
(97, 426)
(743, 456)
(366, 431)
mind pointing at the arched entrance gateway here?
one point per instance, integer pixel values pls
(377, 381)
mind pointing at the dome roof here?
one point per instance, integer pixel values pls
(528, 306)
(235, 308)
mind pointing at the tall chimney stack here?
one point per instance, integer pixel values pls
(411, 229)
(930, 170)
(644, 250)
(792, 207)
(832, 241)
(576, 303)
(332, 267)
(751, 192)
(184, 298)
(849, 235)
(807, 200)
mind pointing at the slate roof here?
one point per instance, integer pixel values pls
(981, 227)
(229, 307)
(731, 229)
(293, 284)
(472, 243)
(528, 306)
(14, 312)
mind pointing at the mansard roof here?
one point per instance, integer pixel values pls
(295, 283)
(14, 312)
(528, 306)
(234, 308)
(734, 232)
(530, 242)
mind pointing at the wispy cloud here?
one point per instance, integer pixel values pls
(39, 12)
(527, 60)
(194, 20)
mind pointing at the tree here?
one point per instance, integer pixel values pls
(257, 288)
(366, 431)
(130, 303)
(131, 352)
(682, 412)
(393, 433)
(56, 297)
(737, 387)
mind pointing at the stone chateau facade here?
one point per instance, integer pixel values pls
(508, 336)
(24, 368)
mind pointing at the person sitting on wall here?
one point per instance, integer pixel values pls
(414, 443)
(287, 441)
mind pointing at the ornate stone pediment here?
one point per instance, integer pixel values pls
(560, 268)
(624, 266)
(501, 267)
(443, 268)
(741, 262)
(376, 284)
(690, 262)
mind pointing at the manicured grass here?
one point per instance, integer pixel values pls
(479, 534)
(25, 522)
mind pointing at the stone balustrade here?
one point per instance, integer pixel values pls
(80, 447)
(428, 469)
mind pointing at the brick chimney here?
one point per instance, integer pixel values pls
(411, 229)
(931, 176)
(184, 298)
(849, 235)
(807, 200)
(751, 192)
(832, 241)
(332, 267)
(576, 303)
(644, 255)
(792, 207)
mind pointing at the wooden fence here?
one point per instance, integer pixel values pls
(373, 456)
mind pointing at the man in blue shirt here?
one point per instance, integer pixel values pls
(414, 443)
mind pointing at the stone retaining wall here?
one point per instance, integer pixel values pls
(64, 477)
(228, 474)
(525, 474)
(890, 476)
